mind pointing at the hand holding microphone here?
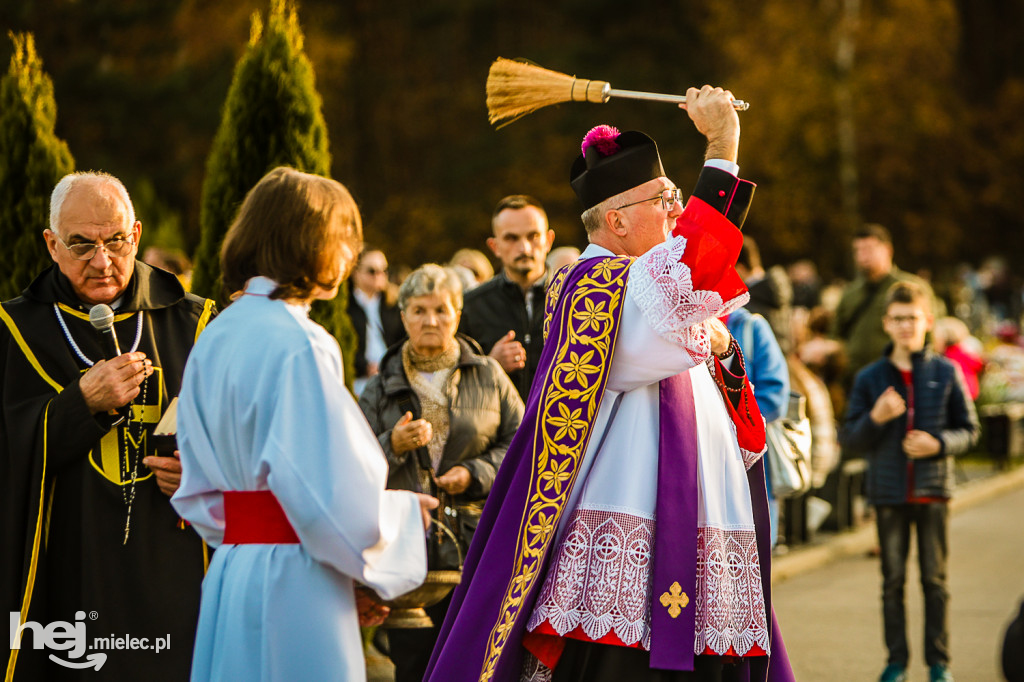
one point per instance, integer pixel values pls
(112, 383)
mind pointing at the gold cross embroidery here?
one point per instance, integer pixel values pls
(675, 600)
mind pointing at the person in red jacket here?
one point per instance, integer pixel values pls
(952, 339)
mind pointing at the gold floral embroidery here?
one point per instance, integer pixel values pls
(573, 387)
(543, 526)
(568, 422)
(555, 293)
(578, 367)
(557, 475)
(605, 271)
(592, 317)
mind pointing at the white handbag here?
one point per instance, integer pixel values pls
(789, 450)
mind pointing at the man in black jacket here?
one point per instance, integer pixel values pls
(909, 414)
(506, 314)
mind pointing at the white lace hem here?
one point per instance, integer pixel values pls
(661, 285)
(600, 582)
(730, 597)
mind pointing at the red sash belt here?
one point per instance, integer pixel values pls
(255, 517)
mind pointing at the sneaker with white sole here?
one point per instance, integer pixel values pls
(894, 672)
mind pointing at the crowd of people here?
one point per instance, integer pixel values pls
(580, 433)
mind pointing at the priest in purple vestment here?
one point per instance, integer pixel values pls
(627, 530)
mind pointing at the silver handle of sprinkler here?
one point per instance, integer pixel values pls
(608, 92)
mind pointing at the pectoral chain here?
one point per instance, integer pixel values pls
(78, 351)
(128, 466)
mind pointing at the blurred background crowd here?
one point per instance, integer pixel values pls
(884, 136)
(873, 163)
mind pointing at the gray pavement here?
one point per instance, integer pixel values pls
(828, 595)
(830, 612)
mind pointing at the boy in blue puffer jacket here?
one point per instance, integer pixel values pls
(909, 414)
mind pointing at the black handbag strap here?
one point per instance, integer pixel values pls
(442, 528)
(405, 404)
(846, 326)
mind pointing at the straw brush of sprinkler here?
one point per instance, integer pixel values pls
(516, 88)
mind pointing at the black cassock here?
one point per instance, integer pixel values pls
(66, 487)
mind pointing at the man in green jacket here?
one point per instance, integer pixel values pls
(858, 320)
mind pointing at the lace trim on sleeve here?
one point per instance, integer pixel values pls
(662, 287)
(750, 458)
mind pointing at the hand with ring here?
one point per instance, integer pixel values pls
(509, 353)
(409, 434)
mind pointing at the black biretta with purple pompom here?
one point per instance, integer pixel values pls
(612, 162)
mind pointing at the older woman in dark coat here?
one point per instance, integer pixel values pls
(445, 414)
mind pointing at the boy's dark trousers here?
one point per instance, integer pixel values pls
(894, 522)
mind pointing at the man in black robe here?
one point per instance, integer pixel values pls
(89, 539)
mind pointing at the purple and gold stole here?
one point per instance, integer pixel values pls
(507, 559)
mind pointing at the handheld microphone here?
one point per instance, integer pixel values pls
(102, 319)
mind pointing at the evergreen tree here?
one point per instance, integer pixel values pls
(272, 117)
(32, 160)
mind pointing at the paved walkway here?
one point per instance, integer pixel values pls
(831, 614)
(828, 599)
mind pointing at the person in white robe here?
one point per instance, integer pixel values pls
(265, 418)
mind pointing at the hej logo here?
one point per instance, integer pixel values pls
(60, 636)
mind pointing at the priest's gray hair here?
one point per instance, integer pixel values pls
(428, 279)
(64, 187)
(593, 217)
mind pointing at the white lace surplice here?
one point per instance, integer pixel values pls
(599, 578)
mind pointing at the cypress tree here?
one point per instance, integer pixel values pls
(272, 117)
(32, 160)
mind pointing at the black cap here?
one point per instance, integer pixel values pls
(612, 163)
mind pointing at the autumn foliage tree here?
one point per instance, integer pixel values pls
(32, 160)
(904, 112)
(272, 117)
(857, 70)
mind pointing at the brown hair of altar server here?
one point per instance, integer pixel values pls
(301, 230)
